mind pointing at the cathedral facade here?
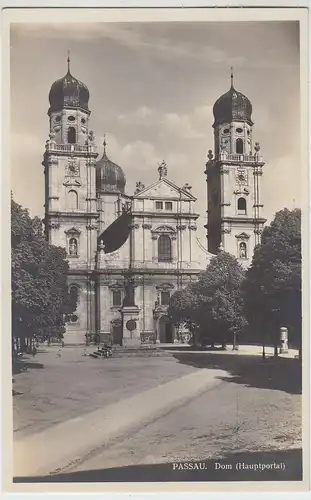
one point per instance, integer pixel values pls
(127, 254)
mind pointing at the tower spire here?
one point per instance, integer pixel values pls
(68, 60)
(104, 144)
(231, 76)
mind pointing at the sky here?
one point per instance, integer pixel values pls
(152, 89)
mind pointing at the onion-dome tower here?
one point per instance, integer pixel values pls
(234, 174)
(110, 177)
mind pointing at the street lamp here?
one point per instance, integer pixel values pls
(263, 339)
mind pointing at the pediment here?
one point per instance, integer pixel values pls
(164, 229)
(165, 189)
(72, 231)
(242, 236)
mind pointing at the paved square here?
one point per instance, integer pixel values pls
(133, 411)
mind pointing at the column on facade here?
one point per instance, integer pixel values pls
(137, 244)
(80, 328)
(154, 247)
(53, 195)
(186, 242)
(147, 243)
(150, 299)
(174, 242)
(105, 308)
(192, 229)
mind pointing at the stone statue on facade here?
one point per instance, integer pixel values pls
(162, 169)
(129, 299)
(91, 136)
(73, 247)
(243, 253)
(139, 187)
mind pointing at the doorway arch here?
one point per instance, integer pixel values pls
(116, 331)
(165, 330)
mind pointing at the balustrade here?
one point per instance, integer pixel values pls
(69, 148)
(240, 157)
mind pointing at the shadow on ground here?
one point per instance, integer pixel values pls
(292, 460)
(282, 374)
(23, 365)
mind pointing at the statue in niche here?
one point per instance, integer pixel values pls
(243, 251)
(73, 246)
(129, 299)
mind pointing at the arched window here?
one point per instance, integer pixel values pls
(71, 135)
(73, 247)
(164, 248)
(72, 200)
(242, 206)
(165, 298)
(116, 298)
(239, 146)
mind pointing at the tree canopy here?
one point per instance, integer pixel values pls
(213, 305)
(272, 289)
(39, 279)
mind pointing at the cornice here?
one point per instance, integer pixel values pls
(239, 219)
(166, 215)
(72, 215)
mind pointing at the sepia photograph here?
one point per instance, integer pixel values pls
(157, 202)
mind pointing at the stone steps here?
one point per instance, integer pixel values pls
(144, 351)
(142, 354)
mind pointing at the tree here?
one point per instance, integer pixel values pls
(219, 289)
(272, 289)
(39, 279)
(184, 309)
(214, 303)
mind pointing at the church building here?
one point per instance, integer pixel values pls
(128, 253)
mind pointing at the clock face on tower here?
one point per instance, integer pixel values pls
(241, 176)
(72, 167)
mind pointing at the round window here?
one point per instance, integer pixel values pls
(226, 131)
(83, 120)
(74, 318)
(58, 118)
(71, 118)
(239, 130)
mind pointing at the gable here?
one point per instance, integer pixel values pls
(165, 189)
(242, 236)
